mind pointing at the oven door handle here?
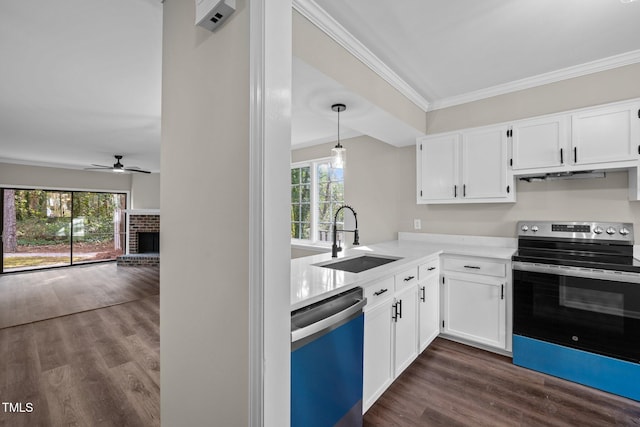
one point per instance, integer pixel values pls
(587, 273)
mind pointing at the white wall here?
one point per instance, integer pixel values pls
(225, 271)
(145, 191)
(204, 309)
(598, 88)
(370, 185)
(587, 199)
(323, 53)
(57, 178)
(380, 176)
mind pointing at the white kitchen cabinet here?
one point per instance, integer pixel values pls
(464, 167)
(428, 303)
(438, 159)
(390, 331)
(604, 137)
(378, 349)
(406, 328)
(606, 134)
(540, 143)
(474, 301)
(484, 164)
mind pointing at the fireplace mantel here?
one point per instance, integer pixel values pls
(142, 211)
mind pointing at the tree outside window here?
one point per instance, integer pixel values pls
(317, 191)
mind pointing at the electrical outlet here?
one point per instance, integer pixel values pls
(417, 224)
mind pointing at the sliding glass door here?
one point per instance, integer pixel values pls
(36, 229)
(49, 228)
(98, 226)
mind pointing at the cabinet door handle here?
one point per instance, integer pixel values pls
(408, 278)
(423, 298)
(400, 308)
(431, 268)
(464, 190)
(562, 156)
(380, 292)
(394, 316)
(474, 267)
(575, 154)
(502, 291)
(455, 191)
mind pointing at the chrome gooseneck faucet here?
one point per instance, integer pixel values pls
(356, 238)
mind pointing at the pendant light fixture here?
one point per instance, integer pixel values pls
(338, 153)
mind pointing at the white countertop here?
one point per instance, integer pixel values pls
(311, 283)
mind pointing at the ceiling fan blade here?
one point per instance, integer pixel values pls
(101, 166)
(136, 170)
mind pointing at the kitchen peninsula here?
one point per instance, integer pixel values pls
(410, 300)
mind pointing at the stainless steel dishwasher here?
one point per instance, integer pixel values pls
(326, 362)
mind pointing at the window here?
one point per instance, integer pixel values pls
(48, 228)
(317, 191)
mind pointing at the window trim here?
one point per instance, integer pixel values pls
(312, 163)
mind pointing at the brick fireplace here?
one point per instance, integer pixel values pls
(141, 224)
(143, 234)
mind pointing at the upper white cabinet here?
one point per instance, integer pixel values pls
(464, 167)
(484, 164)
(607, 134)
(478, 165)
(438, 159)
(540, 143)
(600, 137)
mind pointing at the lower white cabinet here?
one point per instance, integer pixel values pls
(474, 301)
(407, 311)
(390, 331)
(428, 304)
(406, 328)
(378, 350)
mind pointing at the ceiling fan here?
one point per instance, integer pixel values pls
(117, 167)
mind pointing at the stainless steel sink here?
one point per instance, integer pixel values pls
(358, 264)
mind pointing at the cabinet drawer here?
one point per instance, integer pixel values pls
(474, 266)
(428, 268)
(406, 278)
(379, 291)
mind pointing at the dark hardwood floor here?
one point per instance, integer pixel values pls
(451, 384)
(93, 368)
(37, 295)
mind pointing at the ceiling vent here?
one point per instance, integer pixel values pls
(210, 14)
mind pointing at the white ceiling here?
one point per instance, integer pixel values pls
(447, 48)
(80, 80)
(314, 122)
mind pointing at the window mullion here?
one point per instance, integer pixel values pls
(314, 203)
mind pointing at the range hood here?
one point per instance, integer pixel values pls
(563, 175)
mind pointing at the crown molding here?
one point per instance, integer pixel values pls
(325, 22)
(603, 64)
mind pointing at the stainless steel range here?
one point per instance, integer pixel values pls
(576, 303)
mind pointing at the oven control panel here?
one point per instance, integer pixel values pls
(613, 231)
(572, 228)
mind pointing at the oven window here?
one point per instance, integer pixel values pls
(592, 300)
